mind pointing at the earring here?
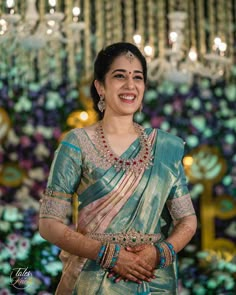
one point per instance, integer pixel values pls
(101, 104)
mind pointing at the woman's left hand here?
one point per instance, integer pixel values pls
(148, 252)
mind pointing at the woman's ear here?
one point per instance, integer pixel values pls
(99, 87)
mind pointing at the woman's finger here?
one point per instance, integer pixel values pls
(132, 278)
(136, 248)
(117, 280)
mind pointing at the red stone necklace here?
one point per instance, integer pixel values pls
(142, 161)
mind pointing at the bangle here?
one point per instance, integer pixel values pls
(115, 256)
(166, 252)
(172, 250)
(160, 248)
(108, 255)
(100, 254)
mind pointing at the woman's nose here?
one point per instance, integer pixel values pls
(130, 82)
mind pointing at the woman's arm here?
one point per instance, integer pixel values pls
(183, 231)
(67, 239)
(129, 265)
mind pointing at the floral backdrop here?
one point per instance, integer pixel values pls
(32, 120)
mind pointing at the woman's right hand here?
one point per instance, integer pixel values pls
(132, 267)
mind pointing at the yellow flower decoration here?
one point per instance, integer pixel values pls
(5, 124)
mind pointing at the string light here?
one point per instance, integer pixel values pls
(178, 66)
(192, 54)
(137, 39)
(148, 50)
(10, 3)
(84, 116)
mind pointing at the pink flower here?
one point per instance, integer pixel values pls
(25, 141)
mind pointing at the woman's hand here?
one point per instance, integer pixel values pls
(133, 267)
(147, 252)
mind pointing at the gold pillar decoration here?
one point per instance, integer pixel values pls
(128, 20)
(220, 19)
(117, 19)
(99, 17)
(191, 35)
(171, 5)
(70, 45)
(75, 212)
(162, 31)
(87, 40)
(41, 8)
(140, 20)
(58, 5)
(228, 27)
(185, 6)
(108, 21)
(150, 21)
(201, 29)
(212, 23)
(208, 168)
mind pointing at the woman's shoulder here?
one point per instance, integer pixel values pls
(170, 137)
(170, 145)
(72, 137)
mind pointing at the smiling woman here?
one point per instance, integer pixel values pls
(135, 211)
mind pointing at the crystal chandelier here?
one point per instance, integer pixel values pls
(33, 36)
(177, 65)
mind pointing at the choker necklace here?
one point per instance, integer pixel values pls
(142, 161)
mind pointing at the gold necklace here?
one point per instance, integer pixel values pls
(142, 161)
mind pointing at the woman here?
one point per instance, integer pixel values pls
(135, 212)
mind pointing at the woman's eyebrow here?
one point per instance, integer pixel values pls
(124, 71)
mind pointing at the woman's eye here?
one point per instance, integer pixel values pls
(138, 77)
(119, 76)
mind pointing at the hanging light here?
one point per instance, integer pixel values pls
(178, 66)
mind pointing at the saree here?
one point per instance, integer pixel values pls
(112, 202)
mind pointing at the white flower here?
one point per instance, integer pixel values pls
(37, 239)
(53, 268)
(4, 226)
(12, 214)
(46, 131)
(37, 173)
(28, 129)
(12, 137)
(12, 239)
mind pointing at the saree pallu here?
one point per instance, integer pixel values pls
(118, 202)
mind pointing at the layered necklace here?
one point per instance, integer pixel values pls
(142, 161)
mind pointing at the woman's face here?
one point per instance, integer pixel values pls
(124, 86)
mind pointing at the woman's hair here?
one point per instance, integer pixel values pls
(104, 61)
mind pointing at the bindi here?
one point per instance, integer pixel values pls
(129, 55)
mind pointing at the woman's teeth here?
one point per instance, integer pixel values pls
(127, 97)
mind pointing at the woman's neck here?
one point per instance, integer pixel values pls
(118, 125)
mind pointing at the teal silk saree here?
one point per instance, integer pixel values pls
(113, 201)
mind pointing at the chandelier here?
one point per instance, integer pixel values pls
(33, 36)
(43, 40)
(179, 66)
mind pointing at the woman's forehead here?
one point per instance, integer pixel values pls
(126, 61)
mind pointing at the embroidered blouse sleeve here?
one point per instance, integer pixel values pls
(179, 202)
(64, 178)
